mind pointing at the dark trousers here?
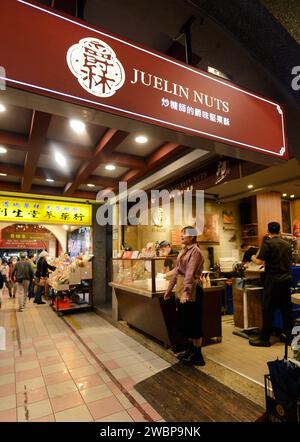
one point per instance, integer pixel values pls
(189, 316)
(39, 293)
(277, 295)
(31, 290)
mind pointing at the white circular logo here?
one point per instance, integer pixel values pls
(96, 67)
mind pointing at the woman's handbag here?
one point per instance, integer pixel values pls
(42, 282)
(180, 286)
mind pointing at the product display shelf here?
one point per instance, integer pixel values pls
(61, 297)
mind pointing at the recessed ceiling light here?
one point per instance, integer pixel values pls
(60, 159)
(3, 149)
(292, 196)
(78, 126)
(141, 139)
(284, 194)
(3, 174)
(66, 227)
(91, 185)
(250, 186)
(49, 180)
(2, 108)
(110, 167)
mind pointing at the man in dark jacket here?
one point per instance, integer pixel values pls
(276, 253)
(22, 274)
(42, 272)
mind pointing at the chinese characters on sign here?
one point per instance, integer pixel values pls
(195, 112)
(96, 67)
(44, 211)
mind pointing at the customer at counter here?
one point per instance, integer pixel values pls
(165, 249)
(276, 253)
(186, 276)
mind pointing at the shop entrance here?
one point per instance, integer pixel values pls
(29, 239)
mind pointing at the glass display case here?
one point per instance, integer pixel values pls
(147, 274)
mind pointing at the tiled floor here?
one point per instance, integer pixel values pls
(84, 371)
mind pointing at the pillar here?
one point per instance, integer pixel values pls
(102, 247)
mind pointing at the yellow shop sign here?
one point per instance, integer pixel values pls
(48, 211)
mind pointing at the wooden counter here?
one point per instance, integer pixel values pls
(149, 313)
(247, 314)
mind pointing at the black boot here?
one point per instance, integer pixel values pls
(187, 353)
(195, 358)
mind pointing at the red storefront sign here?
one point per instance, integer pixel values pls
(62, 57)
(23, 245)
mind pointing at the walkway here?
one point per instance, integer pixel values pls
(79, 368)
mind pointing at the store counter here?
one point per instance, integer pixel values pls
(147, 311)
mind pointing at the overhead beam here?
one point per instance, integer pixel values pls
(160, 154)
(110, 141)
(14, 140)
(101, 181)
(58, 191)
(157, 159)
(43, 174)
(130, 175)
(38, 131)
(10, 169)
(9, 187)
(20, 142)
(44, 190)
(124, 160)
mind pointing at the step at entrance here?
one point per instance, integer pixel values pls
(185, 394)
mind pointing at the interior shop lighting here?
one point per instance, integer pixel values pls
(60, 159)
(3, 149)
(78, 126)
(66, 227)
(284, 194)
(110, 167)
(2, 108)
(91, 185)
(250, 186)
(49, 180)
(292, 196)
(3, 174)
(141, 139)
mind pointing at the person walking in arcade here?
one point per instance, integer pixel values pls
(42, 272)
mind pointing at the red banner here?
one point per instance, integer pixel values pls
(23, 245)
(62, 57)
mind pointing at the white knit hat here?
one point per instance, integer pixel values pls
(43, 253)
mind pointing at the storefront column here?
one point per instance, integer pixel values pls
(102, 249)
